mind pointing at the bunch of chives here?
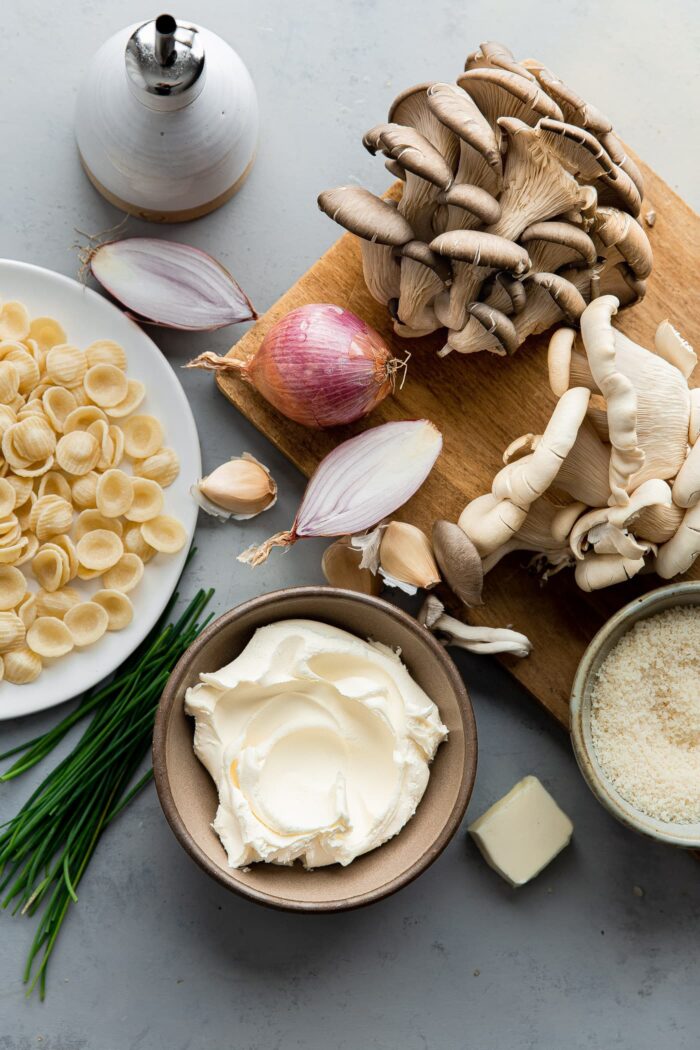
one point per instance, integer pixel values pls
(45, 848)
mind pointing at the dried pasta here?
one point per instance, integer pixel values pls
(82, 503)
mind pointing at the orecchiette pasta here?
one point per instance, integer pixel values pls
(163, 466)
(106, 352)
(99, 550)
(114, 494)
(87, 622)
(14, 321)
(21, 666)
(56, 603)
(72, 508)
(125, 575)
(120, 611)
(66, 365)
(46, 332)
(12, 587)
(147, 500)
(78, 452)
(105, 385)
(143, 436)
(49, 637)
(164, 534)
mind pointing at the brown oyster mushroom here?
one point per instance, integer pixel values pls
(480, 161)
(474, 254)
(380, 227)
(607, 278)
(424, 276)
(497, 56)
(464, 207)
(501, 94)
(574, 108)
(395, 169)
(412, 150)
(610, 142)
(427, 171)
(505, 293)
(487, 329)
(537, 185)
(459, 561)
(584, 156)
(411, 109)
(552, 244)
(366, 215)
(550, 298)
(619, 230)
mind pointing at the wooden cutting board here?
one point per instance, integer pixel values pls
(480, 403)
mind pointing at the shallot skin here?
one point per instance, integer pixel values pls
(322, 366)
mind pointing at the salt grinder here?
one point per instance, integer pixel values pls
(167, 120)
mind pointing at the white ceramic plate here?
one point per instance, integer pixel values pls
(87, 316)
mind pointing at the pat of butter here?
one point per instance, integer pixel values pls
(522, 832)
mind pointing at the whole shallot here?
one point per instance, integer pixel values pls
(319, 365)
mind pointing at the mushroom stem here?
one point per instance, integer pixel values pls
(474, 639)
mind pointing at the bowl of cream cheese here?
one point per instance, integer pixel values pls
(315, 749)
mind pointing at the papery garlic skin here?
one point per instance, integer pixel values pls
(239, 489)
(319, 744)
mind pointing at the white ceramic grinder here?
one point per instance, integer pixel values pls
(167, 120)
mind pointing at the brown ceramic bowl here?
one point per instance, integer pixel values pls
(188, 795)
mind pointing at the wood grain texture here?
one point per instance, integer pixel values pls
(480, 403)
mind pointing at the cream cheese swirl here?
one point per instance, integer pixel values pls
(319, 745)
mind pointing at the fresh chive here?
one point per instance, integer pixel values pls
(46, 847)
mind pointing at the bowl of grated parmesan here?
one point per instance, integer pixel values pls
(635, 714)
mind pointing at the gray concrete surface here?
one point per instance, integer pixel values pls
(156, 955)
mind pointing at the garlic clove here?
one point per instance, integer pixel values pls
(406, 558)
(341, 565)
(240, 489)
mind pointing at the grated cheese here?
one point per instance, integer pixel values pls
(645, 717)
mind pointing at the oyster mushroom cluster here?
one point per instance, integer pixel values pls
(519, 207)
(612, 485)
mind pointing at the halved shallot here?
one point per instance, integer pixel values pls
(359, 483)
(169, 284)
